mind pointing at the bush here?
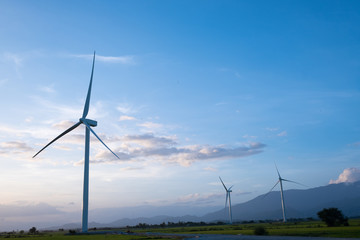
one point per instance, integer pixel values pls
(333, 217)
(33, 230)
(260, 230)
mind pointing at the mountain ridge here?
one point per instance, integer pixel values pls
(300, 203)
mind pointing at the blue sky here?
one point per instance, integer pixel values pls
(184, 92)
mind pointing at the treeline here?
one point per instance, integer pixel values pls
(194, 224)
(174, 224)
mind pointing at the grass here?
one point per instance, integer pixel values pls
(313, 228)
(62, 236)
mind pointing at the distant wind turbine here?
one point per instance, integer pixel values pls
(228, 191)
(281, 191)
(88, 123)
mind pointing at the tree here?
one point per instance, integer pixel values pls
(33, 230)
(260, 230)
(332, 217)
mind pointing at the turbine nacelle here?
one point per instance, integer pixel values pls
(91, 123)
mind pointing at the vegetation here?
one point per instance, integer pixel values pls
(333, 217)
(33, 230)
(63, 236)
(260, 230)
(292, 228)
(295, 228)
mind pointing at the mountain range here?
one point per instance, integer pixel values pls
(299, 204)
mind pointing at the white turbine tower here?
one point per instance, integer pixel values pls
(228, 191)
(282, 192)
(88, 123)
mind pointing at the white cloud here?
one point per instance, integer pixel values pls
(149, 140)
(249, 136)
(39, 209)
(149, 147)
(15, 58)
(210, 169)
(134, 148)
(272, 129)
(199, 199)
(16, 150)
(29, 119)
(64, 124)
(14, 147)
(110, 59)
(47, 89)
(282, 134)
(15, 62)
(62, 111)
(221, 103)
(150, 125)
(15, 132)
(119, 59)
(126, 118)
(349, 175)
(125, 108)
(61, 147)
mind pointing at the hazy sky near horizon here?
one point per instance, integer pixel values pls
(184, 92)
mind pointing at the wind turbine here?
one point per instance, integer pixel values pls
(280, 180)
(88, 123)
(228, 191)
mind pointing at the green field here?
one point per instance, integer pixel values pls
(62, 236)
(313, 228)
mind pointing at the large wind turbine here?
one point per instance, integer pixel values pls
(88, 123)
(228, 191)
(280, 180)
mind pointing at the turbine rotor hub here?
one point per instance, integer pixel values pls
(92, 123)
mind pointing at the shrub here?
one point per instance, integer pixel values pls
(260, 230)
(333, 217)
(33, 230)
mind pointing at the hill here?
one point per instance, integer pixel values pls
(299, 203)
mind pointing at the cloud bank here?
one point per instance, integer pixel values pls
(14, 147)
(149, 147)
(40, 209)
(349, 175)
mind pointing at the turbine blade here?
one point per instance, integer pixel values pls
(271, 189)
(87, 102)
(223, 183)
(277, 170)
(230, 187)
(67, 131)
(87, 125)
(294, 182)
